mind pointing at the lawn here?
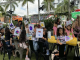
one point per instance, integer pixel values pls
(69, 57)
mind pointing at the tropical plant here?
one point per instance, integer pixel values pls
(48, 6)
(14, 4)
(26, 1)
(64, 6)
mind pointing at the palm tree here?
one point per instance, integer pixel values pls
(14, 4)
(48, 5)
(26, 1)
(63, 7)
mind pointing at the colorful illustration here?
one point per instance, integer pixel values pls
(68, 38)
(31, 28)
(42, 24)
(11, 25)
(39, 33)
(17, 31)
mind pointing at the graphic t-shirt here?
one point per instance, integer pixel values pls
(61, 39)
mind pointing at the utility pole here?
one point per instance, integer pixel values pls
(69, 8)
(38, 10)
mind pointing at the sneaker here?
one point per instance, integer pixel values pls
(27, 58)
(47, 53)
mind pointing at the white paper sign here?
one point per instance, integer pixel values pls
(17, 31)
(68, 22)
(1, 24)
(25, 22)
(49, 34)
(11, 26)
(39, 33)
(31, 28)
(42, 24)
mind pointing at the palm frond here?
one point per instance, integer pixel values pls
(13, 7)
(16, 3)
(6, 7)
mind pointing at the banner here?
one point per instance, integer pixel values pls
(75, 14)
(39, 33)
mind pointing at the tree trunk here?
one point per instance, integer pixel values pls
(69, 8)
(48, 6)
(27, 10)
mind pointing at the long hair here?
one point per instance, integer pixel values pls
(7, 31)
(58, 21)
(58, 34)
(22, 36)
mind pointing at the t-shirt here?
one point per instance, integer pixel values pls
(26, 30)
(61, 39)
(7, 36)
(55, 30)
(17, 25)
(69, 33)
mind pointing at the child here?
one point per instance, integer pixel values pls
(55, 29)
(22, 43)
(69, 32)
(27, 30)
(45, 42)
(60, 41)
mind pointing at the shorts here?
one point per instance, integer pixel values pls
(23, 45)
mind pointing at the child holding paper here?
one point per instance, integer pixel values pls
(60, 41)
(69, 32)
(44, 40)
(22, 43)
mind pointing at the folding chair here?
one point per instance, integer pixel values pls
(32, 49)
(8, 48)
(61, 53)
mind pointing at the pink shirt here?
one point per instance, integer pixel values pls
(68, 32)
(55, 30)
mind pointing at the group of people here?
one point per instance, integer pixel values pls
(69, 29)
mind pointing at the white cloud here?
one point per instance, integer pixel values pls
(33, 8)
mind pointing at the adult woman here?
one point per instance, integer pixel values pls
(19, 25)
(77, 26)
(7, 36)
(58, 21)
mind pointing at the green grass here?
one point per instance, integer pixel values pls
(69, 57)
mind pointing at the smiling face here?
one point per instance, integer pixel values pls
(69, 27)
(60, 31)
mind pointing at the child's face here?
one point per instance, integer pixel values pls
(55, 25)
(35, 29)
(68, 27)
(43, 32)
(2, 30)
(61, 31)
(12, 31)
(27, 26)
